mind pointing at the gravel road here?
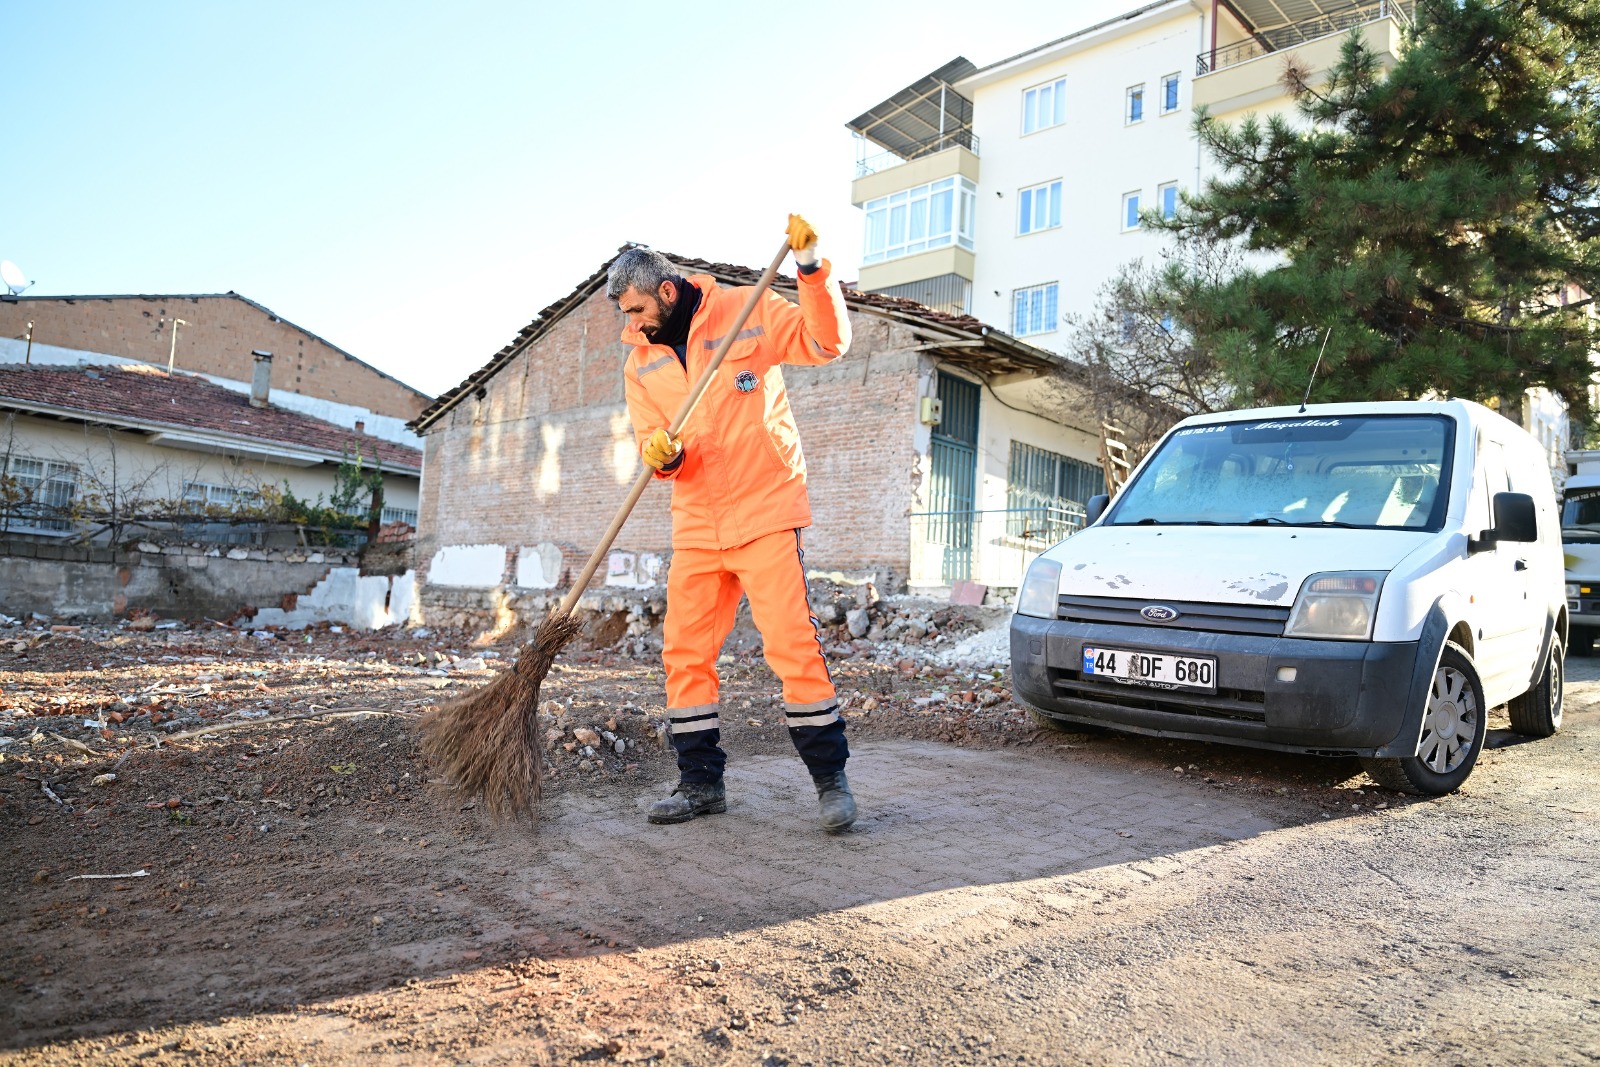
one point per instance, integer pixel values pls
(1053, 899)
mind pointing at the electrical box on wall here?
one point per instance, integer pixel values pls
(932, 411)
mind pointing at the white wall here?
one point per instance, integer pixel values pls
(998, 562)
(107, 457)
(1098, 157)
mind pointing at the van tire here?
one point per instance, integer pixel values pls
(1537, 713)
(1454, 678)
(1050, 722)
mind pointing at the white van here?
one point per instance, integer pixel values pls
(1349, 579)
(1580, 544)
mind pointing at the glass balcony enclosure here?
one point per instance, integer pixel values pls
(935, 215)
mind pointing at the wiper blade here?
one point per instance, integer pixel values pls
(1271, 520)
(1328, 522)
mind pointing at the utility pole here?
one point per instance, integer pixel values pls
(28, 357)
(173, 353)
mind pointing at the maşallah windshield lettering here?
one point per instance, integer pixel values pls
(1383, 472)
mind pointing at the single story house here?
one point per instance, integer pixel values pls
(937, 449)
(86, 448)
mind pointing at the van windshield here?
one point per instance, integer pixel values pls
(1580, 516)
(1366, 471)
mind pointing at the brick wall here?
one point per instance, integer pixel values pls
(220, 334)
(547, 453)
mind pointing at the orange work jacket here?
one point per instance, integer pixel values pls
(742, 474)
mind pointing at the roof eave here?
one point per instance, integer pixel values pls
(215, 441)
(1078, 41)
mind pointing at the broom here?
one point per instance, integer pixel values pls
(486, 742)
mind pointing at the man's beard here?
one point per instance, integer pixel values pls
(663, 313)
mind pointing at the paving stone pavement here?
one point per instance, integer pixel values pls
(932, 818)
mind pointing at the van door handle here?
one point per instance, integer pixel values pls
(1520, 565)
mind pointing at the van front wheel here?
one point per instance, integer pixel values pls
(1537, 713)
(1453, 728)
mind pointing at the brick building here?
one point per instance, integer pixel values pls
(218, 335)
(936, 449)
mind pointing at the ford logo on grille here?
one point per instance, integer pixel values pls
(1158, 612)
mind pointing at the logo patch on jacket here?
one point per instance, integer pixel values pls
(744, 381)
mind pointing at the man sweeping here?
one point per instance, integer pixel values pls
(738, 504)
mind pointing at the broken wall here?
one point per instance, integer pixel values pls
(196, 582)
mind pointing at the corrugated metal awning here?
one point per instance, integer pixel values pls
(920, 113)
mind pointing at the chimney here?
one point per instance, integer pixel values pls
(361, 426)
(261, 383)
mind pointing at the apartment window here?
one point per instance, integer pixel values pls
(1044, 106)
(1039, 208)
(1130, 211)
(1169, 94)
(1134, 112)
(1167, 199)
(1033, 310)
(1045, 492)
(915, 220)
(38, 493)
(405, 515)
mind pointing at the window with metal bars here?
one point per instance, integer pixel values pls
(38, 493)
(202, 495)
(1044, 489)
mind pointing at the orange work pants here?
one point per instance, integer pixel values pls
(703, 589)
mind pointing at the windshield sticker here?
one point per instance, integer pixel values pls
(1296, 424)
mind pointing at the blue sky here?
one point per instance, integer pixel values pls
(415, 181)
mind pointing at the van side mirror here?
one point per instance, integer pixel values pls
(1097, 507)
(1515, 521)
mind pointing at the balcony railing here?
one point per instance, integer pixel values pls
(1299, 33)
(993, 547)
(938, 143)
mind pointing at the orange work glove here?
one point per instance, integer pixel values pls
(660, 450)
(803, 239)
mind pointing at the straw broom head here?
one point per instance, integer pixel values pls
(486, 742)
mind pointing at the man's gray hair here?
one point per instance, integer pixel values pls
(643, 269)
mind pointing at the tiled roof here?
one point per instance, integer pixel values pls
(1005, 352)
(149, 396)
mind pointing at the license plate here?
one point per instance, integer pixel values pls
(1161, 670)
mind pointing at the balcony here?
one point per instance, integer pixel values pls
(1249, 73)
(872, 164)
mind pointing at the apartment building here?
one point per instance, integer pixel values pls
(1013, 191)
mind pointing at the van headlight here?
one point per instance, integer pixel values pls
(1336, 604)
(1040, 589)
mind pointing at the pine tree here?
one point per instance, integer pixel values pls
(1441, 221)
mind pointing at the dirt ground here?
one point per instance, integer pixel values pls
(294, 891)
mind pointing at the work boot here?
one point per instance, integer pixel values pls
(838, 803)
(689, 799)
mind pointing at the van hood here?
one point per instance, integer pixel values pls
(1221, 564)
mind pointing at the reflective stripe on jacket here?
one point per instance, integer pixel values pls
(742, 475)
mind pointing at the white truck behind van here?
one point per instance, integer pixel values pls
(1355, 579)
(1580, 546)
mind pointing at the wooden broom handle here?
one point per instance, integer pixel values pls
(570, 601)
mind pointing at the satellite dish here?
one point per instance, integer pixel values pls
(11, 274)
